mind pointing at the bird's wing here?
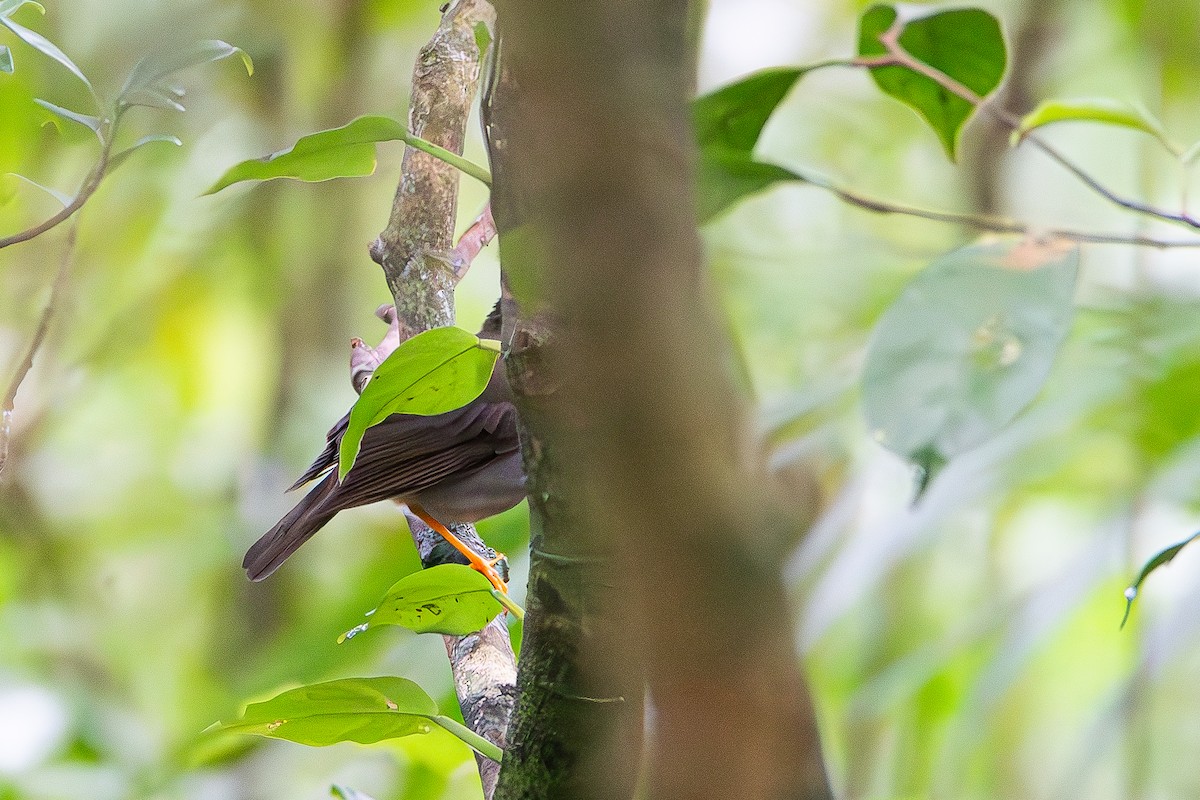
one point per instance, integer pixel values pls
(408, 434)
(404, 455)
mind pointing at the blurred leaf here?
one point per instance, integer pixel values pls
(966, 346)
(483, 38)
(1190, 154)
(448, 598)
(726, 177)
(346, 793)
(434, 372)
(1096, 109)
(9, 7)
(363, 710)
(147, 75)
(6, 62)
(728, 123)
(154, 97)
(39, 42)
(348, 151)
(120, 158)
(63, 198)
(85, 120)
(732, 117)
(1160, 559)
(965, 44)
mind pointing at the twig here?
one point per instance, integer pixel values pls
(897, 56)
(35, 344)
(998, 225)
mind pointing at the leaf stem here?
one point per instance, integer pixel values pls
(471, 738)
(509, 604)
(453, 159)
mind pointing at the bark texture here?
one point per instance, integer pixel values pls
(654, 546)
(415, 253)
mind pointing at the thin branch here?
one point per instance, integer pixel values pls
(86, 190)
(35, 344)
(999, 225)
(897, 56)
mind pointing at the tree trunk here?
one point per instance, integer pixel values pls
(647, 495)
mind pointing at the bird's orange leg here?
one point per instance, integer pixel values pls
(478, 562)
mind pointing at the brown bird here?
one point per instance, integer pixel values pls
(461, 466)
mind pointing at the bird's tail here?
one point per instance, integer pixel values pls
(297, 526)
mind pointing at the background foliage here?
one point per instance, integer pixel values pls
(967, 647)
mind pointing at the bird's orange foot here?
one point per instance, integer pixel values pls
(480, 564)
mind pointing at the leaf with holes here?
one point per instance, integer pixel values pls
(448, 598)
(966, 347)
(1160, 559)
(433, 372)
(965, 44)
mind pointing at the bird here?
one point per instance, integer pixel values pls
(458, 467)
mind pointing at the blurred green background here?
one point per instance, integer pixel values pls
(967, 648)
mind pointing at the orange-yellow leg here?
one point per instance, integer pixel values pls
(478, 562)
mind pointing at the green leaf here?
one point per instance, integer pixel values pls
(147, 75)
(1096, 109)
(344, 152)
(725, 177)
(966, 347)
(86, 120)
(449, 598)
(8, 7)
(1160, 559)
(120, 158)
(433, 372)
(6, 62)
(1190, 155)
(728, 123)
(965, 44)
(363, 710)
(733, 117)
(41, 43)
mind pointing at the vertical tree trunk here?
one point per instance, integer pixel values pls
(637, 451)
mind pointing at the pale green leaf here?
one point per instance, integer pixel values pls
(86, 120)
(966, 347)
(1098, 109)
(148, 73)
(45, 46)
(120, 158)
(6, 61)
(9, 7)
(63, 198)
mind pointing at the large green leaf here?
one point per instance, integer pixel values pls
(966, 44)
(448, 598)
(345, 152)
(966, 346)
(728, 123)
(1160, 559)
(363, 710)
(431, 373)
(1095, 109)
